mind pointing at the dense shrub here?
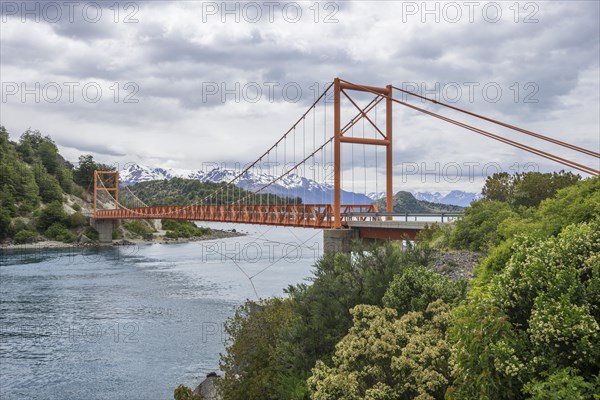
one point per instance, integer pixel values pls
(386, 357)
(477, 229)
(5, 223)
(138, 227)
(185, 393)
(183, 229)
(255, 365)
(564, 383)
(77, 220)
(378, 325)
(435, 236)
(494, 262)
(25, 236)
(59, 232)
(540, 316)
(415, 287)
(52, 213)
(91, 233)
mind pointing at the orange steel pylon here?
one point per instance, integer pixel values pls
(343, 87)
(114, 187)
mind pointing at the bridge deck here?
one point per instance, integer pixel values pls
(300, 215)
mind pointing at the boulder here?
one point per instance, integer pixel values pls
(84, 239)
(208, 388)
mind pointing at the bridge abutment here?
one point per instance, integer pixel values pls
(105, 229)
(339, 240)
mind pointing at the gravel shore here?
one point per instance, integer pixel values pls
(50, 244)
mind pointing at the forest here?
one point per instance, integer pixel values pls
(41, 194)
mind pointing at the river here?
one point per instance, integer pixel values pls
(136, 321)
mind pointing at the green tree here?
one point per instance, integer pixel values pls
(5, 221)
(526, 189)
(415, 287)
(340, 283)
(84, 174)
(477, 229)
(499, 187)
(52, 213)
(533, 187)
(48, 185)
(254, 366)
(65, 179)
(7, 201)
(48, 153)
(29, 139)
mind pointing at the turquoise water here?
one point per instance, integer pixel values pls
(134, 322)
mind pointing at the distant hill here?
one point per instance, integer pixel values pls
(406, 202)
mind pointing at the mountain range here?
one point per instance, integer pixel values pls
(291, 185)
(455, 197)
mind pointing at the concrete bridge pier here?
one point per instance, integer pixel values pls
(105, 229)
(339, 240)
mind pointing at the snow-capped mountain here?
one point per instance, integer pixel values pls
(376, 196)
(134, 173)
(455, 197)
(291, 185)
(428, 196)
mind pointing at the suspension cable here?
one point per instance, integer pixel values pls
(516, 128)
(290, 170)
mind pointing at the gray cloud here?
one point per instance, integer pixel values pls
(173, 56)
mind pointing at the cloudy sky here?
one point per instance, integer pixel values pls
(181, 84)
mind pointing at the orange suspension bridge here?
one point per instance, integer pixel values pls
(313, 145)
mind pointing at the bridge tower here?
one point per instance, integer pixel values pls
(109, 182)
(342, 87)
(338, 239)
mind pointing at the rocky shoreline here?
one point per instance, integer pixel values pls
(54, 245)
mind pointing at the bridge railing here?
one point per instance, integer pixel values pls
(444, 217)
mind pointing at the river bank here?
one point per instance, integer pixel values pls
(157, 239)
